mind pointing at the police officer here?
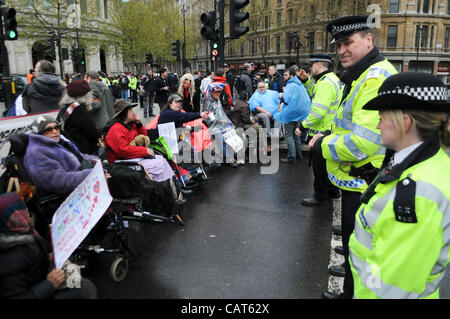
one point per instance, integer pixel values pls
(355, 140)
(326, 94)
(400, 245)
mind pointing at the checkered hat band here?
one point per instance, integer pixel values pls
(434, 93)
(349, 27)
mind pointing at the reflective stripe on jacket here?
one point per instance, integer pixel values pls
(394, 259)
(355, 140)
(326, 95)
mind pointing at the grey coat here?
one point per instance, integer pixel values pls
(102, 103)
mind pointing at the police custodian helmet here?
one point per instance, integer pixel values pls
(411, 91)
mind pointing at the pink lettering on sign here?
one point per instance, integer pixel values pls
(97, 187)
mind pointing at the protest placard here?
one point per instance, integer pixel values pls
(168, 131)
(20, 124)
(79, 213)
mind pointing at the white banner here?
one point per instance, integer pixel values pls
(79, 213)
(168, 131)
(20, 124)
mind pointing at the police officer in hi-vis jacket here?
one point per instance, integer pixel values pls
(355, 142)
(400, 245)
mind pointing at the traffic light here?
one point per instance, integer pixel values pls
(237, 17)
(81, 56)
(209, 30)
(176, 49)
(65, 54)
(52, 40)
(214, 50)
(74, 55)
(149, 58)
(9, 17)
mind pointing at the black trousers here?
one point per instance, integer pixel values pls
(323, 188)
(350, 205)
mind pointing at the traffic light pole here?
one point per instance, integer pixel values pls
(221, 57)
(6, 79)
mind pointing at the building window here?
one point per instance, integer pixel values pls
(242, 49)
(426, 5)
(447, 33)
(291, 16)
(105, 8)
(279, 2)
(422, 34)
(424, 41)
(279, 44)
(448, 7)
(311, 40)
(418, 6)
(266, 3)
(266, 22)
(393, 6)
(279, 19)
(392, 36)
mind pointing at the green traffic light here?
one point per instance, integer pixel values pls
(12, 34)
(215, 45)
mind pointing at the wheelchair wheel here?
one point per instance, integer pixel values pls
(119, 269)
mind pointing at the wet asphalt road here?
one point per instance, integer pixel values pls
(245, 236)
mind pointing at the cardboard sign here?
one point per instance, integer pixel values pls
(20, 124)
(168, 131)
(233, 140)
(79, 213)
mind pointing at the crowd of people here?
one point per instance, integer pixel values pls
(387, 166)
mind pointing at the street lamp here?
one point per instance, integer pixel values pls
(183, 10)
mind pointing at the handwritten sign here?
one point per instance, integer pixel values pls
(20, 124)
(79, 213)
(168, 131)
(232, 139)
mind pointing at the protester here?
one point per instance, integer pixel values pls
(296, 106)
(121, 131)
(102, 100)
(218, 121)
(44, 93)
(241, 115)
(226, 97)
(264, 104)
(275, 80)
(172, 113)
(160, 88)
(25, 260)
(74, 117)
(189, 94)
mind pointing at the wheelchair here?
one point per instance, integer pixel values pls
(110, 234)
(189, 175)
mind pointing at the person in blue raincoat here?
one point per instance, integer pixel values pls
(264, 104)
(296, 106)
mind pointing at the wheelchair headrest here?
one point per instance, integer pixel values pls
(19, 143)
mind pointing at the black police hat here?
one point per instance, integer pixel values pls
(412, 91)
(343, 27)
(319, 57)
